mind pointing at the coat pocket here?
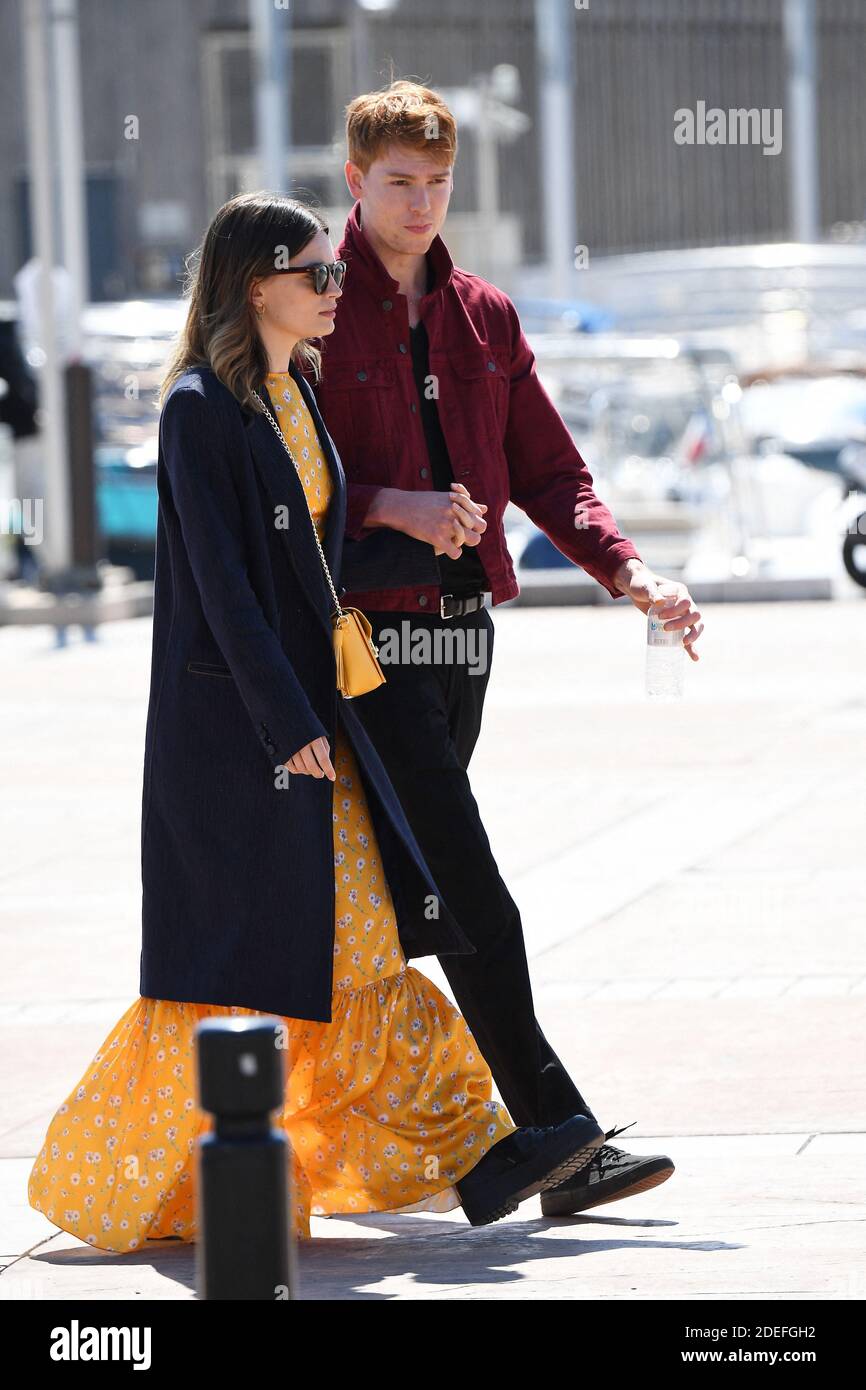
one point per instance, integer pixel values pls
(208, 668)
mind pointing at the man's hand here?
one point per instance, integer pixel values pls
(637, 582)
(446, 520)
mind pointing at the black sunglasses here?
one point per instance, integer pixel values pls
(318, 273)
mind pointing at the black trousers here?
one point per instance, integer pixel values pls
(424, 722)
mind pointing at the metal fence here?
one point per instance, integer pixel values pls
(186, 73)
(635, 63)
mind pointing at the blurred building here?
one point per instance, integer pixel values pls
(169, 125)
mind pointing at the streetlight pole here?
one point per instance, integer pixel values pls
(272, 95)
(44, 219)
(73, 220)
(554, 37)
(800, 59)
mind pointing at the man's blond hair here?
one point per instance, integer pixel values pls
(404, 113)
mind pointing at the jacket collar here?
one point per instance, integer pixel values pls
(287, 491)
(356, 249)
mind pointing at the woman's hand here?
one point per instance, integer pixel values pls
(313, 759)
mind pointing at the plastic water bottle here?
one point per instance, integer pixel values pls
(665, 656)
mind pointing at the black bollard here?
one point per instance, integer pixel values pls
(244, 1248)
(86, 543)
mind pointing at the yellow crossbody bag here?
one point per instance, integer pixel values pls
(356, 656)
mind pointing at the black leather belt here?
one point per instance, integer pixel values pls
(450, 606)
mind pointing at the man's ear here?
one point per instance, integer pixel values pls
(354, 178)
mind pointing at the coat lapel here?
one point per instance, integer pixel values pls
(287, 491)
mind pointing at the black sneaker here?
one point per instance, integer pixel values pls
(610, 1175)
(528, 1161)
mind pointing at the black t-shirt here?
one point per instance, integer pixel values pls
(465, 575)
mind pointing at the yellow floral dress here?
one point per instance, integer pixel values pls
(385, 1107)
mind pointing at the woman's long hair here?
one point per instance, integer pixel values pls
(243, 241)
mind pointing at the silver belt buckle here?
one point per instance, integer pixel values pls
(477, 599)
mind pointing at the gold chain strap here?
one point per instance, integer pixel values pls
(285, 445)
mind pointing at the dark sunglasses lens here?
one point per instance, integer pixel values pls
(323, 272)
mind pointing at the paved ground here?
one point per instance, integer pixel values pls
(692, 885)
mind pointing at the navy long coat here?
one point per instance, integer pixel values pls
(237, 868)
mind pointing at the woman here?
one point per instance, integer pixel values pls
(279, 873)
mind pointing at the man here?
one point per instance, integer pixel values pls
(430, 392)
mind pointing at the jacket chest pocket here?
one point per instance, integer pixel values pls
(483, 381)
(359, 400)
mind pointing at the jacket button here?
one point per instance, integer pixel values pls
(413, 407)
(362, 376)
(422, 600)
(423, 472)
(386, 304)
(402, 347)
(491, 366)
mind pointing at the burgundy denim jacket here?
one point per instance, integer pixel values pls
(505, 438)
